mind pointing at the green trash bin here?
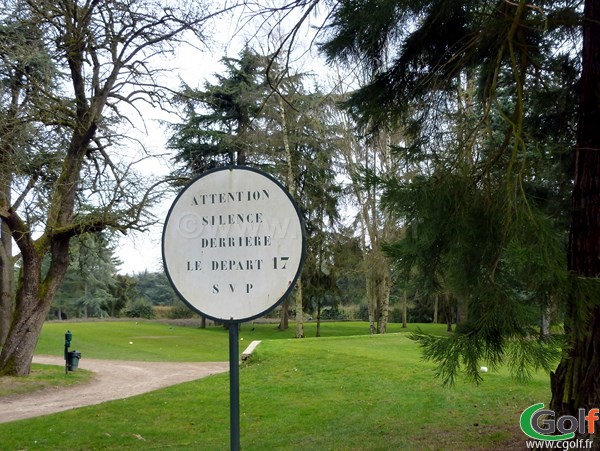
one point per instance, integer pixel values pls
(73, 360)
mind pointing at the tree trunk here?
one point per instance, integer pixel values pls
(8, 134)
(34, 299)
(576, 382)
(85, 306)
(436, 305)
(371, 302)
(36, 290)
(318, 334)
(284, 316)
(6, 282)
(545, 323)
(291, 186)
(462, 309)
(378, 283)
(299, 309)
(448, 312)
(19, 347)
(404, 310)
(368, 280)
(383, 295)
(7, 262)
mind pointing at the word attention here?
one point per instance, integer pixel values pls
(235, 196)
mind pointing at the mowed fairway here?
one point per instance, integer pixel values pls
(330, 393)
(136, 340)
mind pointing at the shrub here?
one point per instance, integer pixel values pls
(395, 315)
(139, 308)
(180, 311)
(363, 312)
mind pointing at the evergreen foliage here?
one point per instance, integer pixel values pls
(484, 98)
(222, 118)
(259, 113)
(89, 285)
(140, 308)
(155, 288)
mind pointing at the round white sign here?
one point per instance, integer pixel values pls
(233, 244)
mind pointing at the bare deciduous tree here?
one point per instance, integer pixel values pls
(103, 53)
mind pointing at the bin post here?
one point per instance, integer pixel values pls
(68, 338)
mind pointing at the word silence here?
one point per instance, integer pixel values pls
(233, 244)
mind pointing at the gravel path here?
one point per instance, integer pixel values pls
(114, 379)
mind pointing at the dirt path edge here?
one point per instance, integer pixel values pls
(114, 379)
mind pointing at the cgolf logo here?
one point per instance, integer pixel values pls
(539, 423)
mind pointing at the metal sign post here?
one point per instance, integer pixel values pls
(233, 247)
(234, 386)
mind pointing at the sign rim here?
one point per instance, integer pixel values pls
(302, 253)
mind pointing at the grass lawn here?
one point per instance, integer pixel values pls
(40, 378)
(331, 393)
(135, 340)
(158, 342)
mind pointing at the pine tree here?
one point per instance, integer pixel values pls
(487, 215)
(260, 110)
(222, 119)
